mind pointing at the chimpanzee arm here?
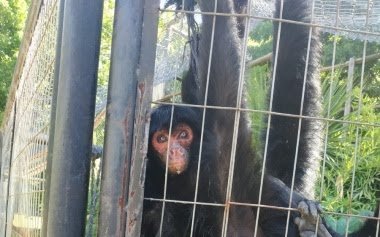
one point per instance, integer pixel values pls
(219, 38)
(298, 51)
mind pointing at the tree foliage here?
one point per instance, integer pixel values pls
(12, 17)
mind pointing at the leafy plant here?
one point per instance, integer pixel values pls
(352, 157)
(352, 171)
(12, 17)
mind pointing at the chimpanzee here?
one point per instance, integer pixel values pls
(190, 148)
(291, 87)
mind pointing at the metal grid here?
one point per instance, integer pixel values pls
(22, 199)
(95, 173)
(27, 123)
(353, 15)
(328, 120)
(6, 153)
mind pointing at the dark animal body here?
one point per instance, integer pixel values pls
(211, 149)
(291, 88)
(295, 142)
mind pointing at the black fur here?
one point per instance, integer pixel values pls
(208, 220)
(240, 7)
(288, 90)
(216, 149)
(218, 133)
(287, 98)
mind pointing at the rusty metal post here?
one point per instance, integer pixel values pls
(141, 130)
(74, 117)
(126, 90)
(130, 87)
(121, 102)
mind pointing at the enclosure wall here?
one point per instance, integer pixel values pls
(26, 125)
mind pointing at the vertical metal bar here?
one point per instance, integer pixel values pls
(53, 114)
(2, 198)
(329, 101)
(359, 112)
(122, 90)
(203, 118)
(141, 130)
(236, 122)
(1, 153)
(275, 59)
(305, 78)
(7, 226)
(75, 117)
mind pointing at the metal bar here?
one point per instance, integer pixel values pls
(269, 119)
(268, 57)
(122, 90)
(1, 153)
(141, 130)
(203, 118)
(329, 105)
(316, 25)
(236, 123)
(74, 125)
(260, 61)
(53, 114)
(12, 144)
(358, 129)
(302, 109)
(368, 59)
(2, 196)
(273, 113)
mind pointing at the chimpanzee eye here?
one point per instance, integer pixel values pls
(162, 139)
(183, 134)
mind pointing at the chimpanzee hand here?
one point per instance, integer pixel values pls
(309, 220)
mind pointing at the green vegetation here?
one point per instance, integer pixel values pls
(98, 134)
(257, 88)
(352, 151)
(345, 48)
(352, 167)
(12, 18)
(105, 46)
(260, 40)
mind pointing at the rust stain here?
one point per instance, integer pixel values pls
(131, 223)
(141, 87)
(121, 201)
(125, 122)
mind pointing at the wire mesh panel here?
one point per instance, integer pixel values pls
(308, 117)
(32, 104)
(6, 153)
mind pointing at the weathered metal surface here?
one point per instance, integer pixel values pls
(144, 96)
(126, 42)
(74, 117)
(53, 114)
